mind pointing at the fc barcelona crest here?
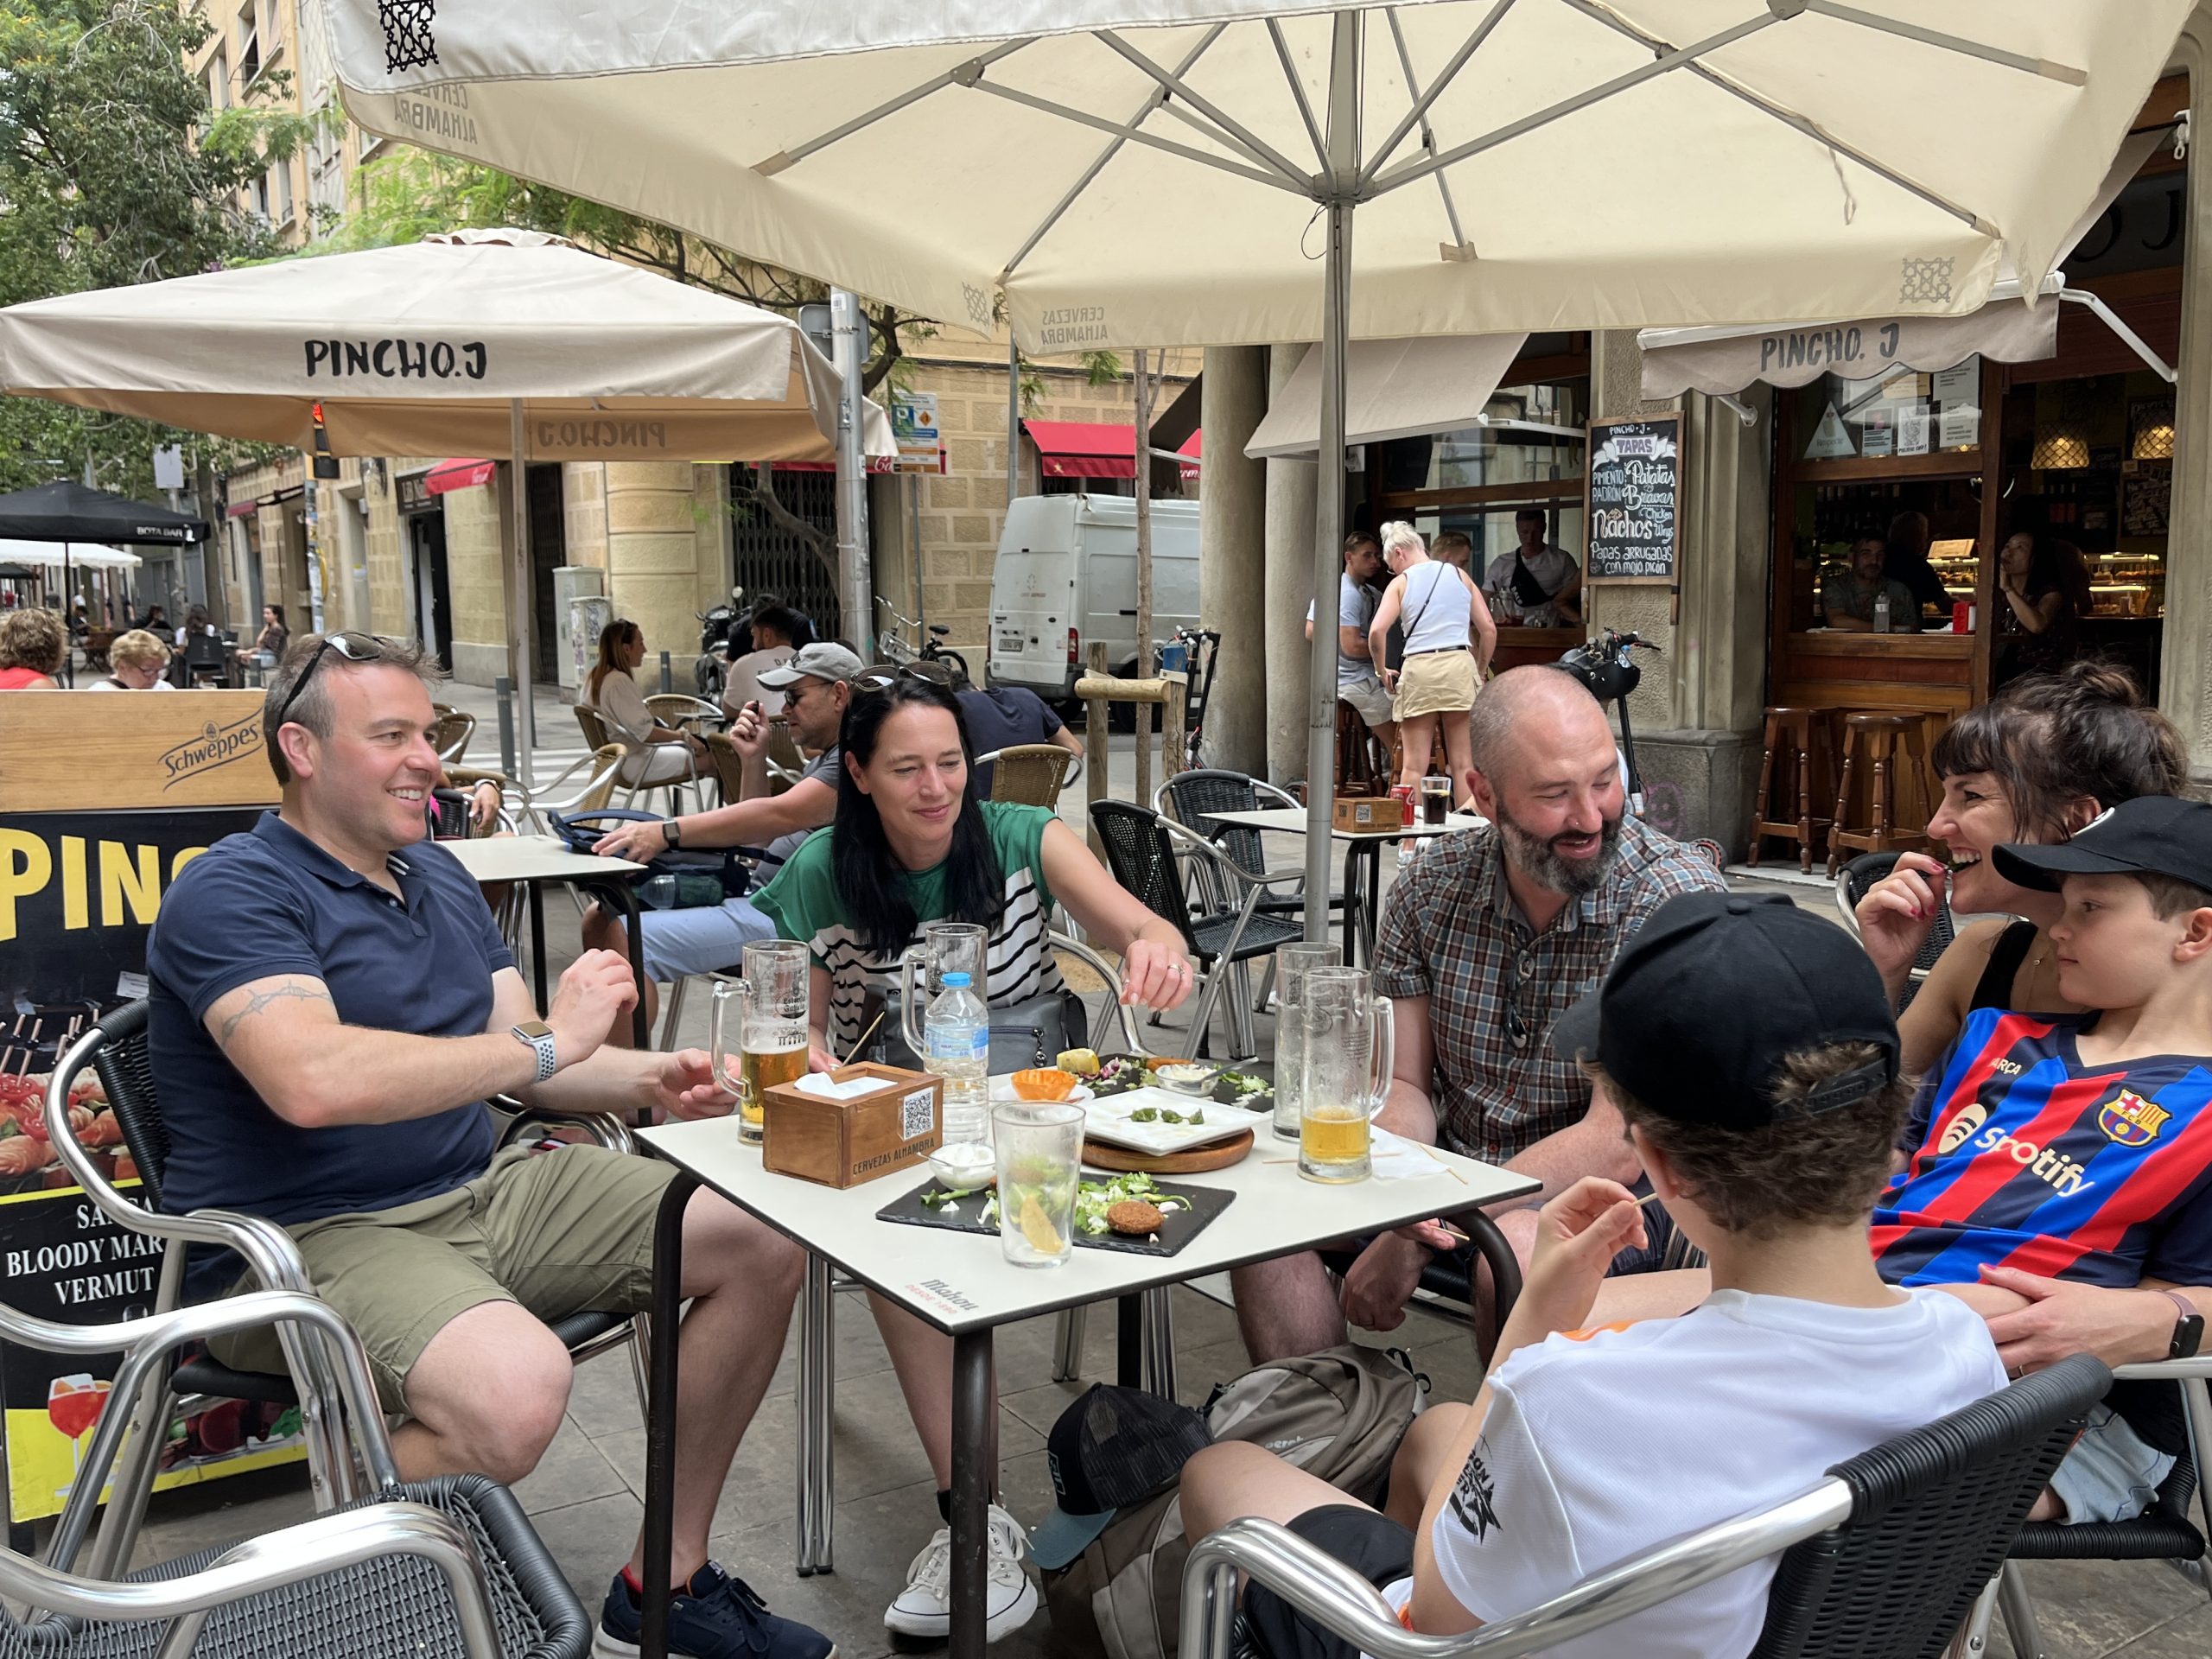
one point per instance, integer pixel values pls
(2132, 1120)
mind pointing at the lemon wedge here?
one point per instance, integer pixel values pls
(1037, 1227)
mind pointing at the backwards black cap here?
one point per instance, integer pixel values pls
(1714, 994)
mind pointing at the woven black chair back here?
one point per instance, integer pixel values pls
(1862, 873)
(1936, 1510)
(1198, 794)
(126, 1071)
(2163, 1532)
(1142, 858)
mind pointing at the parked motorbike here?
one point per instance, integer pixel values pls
(1603, 665)
(712, 669)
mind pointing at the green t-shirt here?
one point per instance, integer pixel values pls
(804, 904)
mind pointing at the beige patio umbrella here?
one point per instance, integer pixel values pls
(505, 344)
(1138, 173)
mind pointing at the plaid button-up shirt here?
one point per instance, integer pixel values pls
(1452, 933)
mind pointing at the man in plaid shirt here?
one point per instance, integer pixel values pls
(1487, 937)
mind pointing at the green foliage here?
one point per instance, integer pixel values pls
(112, 172)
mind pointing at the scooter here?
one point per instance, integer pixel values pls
(1603, 665)
(712, 669)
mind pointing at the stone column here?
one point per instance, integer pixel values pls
(652, 557)
(1290, 486)
(1696, 713)
(2184, 689)
(1232, 555)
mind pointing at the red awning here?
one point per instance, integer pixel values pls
(875, 464)
(450, 475)
(1092, 448)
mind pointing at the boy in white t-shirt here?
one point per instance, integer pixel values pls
(1750, 1047)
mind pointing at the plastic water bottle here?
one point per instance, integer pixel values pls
(956, 1034)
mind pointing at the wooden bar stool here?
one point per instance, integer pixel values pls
(1799, 765)
(1880, 742)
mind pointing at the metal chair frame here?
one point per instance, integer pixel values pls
(451, 736)
(1851, 884)
(1226, 961)
(598, 735)
(312, 1370)
(1342, 1601)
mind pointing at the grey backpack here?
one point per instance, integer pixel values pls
(1338, 1415)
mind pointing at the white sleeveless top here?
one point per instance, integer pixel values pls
(1435, 609)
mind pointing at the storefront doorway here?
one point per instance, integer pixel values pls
(430, 594)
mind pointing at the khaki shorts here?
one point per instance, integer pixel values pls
(1368, 697)
(557, 1232)
(1436, 683)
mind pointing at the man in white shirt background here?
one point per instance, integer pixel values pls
(1551, 569)
(775, 630)
(1358, 683)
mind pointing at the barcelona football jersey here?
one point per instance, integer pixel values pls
(2023, 1156)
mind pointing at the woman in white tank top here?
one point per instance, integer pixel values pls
(1449, 637)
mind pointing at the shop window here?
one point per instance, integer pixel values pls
(1893, 416)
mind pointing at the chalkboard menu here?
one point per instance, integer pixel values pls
(1634, 501)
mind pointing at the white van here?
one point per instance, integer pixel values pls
(1067, 575)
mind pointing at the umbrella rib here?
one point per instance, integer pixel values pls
(783, 158)
(1803, 124)
(1996, 54)
(1428, 132)
(1246, 138)
(1154, 99)
(1084, 117)
(1581, 100)
(1419, 114)
(1297, 92)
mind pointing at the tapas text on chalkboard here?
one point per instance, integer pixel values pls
(1635, 500)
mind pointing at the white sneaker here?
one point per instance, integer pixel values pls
(924, 1607)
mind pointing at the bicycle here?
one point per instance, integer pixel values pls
(897, 651)
(1201, 656)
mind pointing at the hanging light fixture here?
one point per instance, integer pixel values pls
(2062, 444)
(2151, 421)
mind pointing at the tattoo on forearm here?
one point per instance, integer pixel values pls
(260, 1000)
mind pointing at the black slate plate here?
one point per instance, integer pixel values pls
(1180, 1227)
(1223, 1093)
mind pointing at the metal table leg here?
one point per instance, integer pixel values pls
(1128, 1340)
(1352, 910)
(660, 1421)
(817, 1391)
(972, 1455)
(537, 940)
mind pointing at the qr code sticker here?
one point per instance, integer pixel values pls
(917, 1116)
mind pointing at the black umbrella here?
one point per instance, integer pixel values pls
(62, 511)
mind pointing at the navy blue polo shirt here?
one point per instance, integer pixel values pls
(268, 902)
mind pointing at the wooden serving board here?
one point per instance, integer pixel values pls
(1219, 1155)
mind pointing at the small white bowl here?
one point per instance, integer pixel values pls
(965, 1176)
(1187, 1077)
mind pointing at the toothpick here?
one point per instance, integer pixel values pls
(1448, 1170)
(859, 1042)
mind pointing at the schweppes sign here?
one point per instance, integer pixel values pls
(2131, 1121)
(211, 747)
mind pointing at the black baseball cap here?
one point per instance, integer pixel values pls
(1111, 1448)
(2151, 834)
(1714, 993)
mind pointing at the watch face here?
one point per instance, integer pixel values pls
(2189, 1337)
(531, 1030)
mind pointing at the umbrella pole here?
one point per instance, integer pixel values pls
(521, 647)
(1329, 492)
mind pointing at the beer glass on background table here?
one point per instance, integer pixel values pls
(768, 1009)
(1435, 799)
(1347, 1033)
(1293, 963)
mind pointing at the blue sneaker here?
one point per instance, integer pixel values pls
(714, 1617)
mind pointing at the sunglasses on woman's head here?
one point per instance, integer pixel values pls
(353, 648)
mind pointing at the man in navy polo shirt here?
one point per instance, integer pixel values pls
(331, 1006)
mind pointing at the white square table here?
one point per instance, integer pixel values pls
(1362, 861)
(534, 860)
(961, 1284)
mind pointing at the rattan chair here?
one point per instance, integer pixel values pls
(1886, 1557)
(116, 1050)
(1029, 774)
(450, 735)
(1852, 883)
(597, 734)
(415, 1570)
(1141, 849)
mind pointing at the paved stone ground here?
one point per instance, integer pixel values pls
(584, 1497)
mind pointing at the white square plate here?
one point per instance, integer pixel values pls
(1106, 1118)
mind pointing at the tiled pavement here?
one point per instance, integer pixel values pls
(584, 1497)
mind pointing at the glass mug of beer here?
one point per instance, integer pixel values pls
(1293, 963)
(946, 948)
(1346, 1034)
(768, 1008)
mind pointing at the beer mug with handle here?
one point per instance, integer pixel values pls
(946, 948)
(1347, 1035)
(766, 1012)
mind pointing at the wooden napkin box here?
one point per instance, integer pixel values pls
(1382, 815)
(844, 1143)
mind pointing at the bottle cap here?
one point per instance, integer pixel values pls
(952, 980)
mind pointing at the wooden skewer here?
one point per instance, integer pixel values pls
(860, 1042)
(1439, 1158)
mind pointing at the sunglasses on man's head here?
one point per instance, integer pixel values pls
(353, 648)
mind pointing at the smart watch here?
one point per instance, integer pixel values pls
(537, 1034)
(2189, 1329)
(673, 831)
